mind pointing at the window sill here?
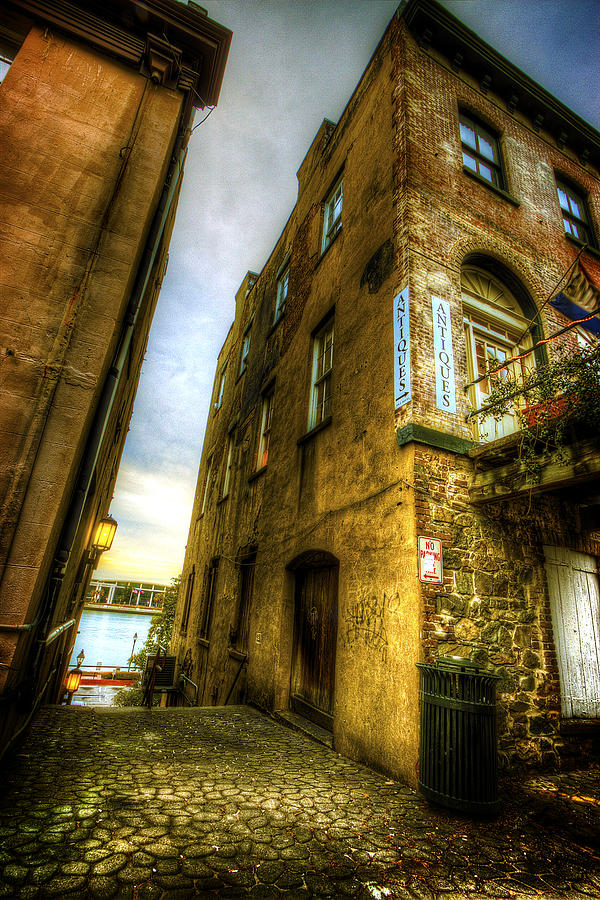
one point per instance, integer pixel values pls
(492, 187)
(275, 325)
(241, 375)
(593, 251)
(309, 434)
(324, 252)
(257, 473)
(222, 499)
(237, 654)
(204, 642)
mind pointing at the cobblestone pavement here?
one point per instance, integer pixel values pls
(170, 804)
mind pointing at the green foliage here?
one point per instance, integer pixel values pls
(554, 403)
(161, 627)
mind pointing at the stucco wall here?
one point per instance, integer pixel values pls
(86, 145)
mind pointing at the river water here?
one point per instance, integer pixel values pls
(106, 638)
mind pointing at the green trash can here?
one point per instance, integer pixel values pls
(458, 753)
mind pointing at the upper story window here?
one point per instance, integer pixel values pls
(495, 332)
(189, 589)
(282, 292)
(574, 212)
(332, 218)
(480, 150)
(264, 437)
(320, 400)
(245, 348)
(207, 485)
(228, 467)
(219, 400)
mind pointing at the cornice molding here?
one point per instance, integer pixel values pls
(433, 26)
(175, 44)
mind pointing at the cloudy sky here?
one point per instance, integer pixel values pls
(292, 63)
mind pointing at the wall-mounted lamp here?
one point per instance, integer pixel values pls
(104, 534)
(74, 678)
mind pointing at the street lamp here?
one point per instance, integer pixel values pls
(73, 678)
(132, 651)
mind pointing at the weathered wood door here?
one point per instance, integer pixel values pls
(315, 635)
(575, 609)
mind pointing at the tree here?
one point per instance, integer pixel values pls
(162, 626)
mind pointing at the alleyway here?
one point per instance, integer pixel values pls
(103, 803)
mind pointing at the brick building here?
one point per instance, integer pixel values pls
(95, 111)
(439, 225)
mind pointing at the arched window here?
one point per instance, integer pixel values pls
(495, 331)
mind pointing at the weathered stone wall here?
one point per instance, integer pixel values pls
(493, 607)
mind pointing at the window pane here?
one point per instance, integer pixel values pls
(486, 172)
(470, 162)
(575, 207)
(486, 149)
(467, 135)
(563, 199)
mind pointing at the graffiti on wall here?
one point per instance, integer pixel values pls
(365, 622)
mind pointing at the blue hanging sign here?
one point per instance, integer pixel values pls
(402, 392)
(445, 393)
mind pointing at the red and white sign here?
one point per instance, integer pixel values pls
(430, 560)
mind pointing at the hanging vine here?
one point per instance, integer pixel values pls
(555, 404)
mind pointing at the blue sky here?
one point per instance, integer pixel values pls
(292, 63)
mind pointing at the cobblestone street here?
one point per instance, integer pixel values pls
(113, 803)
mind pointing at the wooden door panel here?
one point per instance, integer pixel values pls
(315, 635)
(575, 608)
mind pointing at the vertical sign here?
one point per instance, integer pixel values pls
(444, 359)
(401, 350)
(430, 560)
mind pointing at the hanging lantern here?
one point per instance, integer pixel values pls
(72, 681)
(104, 534)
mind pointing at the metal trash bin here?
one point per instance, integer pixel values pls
(458, 754)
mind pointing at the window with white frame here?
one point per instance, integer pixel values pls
(575, 216)
(219, 400)
(480, 150)
(320, 401)
(495, 332)
(282, 292)
(228, 467)
(245, 348)
(264, 437)
(207, 485)
(332, 215)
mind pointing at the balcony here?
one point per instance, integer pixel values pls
(557, 445)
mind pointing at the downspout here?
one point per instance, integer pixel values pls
(107, 397)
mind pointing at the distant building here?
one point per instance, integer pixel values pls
(434, 224)
(95, 111)
(126, 593)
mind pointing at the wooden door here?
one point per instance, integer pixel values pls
(575, 609)
(315, 635)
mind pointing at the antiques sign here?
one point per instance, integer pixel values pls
(430, 560)
(444, 360)
(402, 392)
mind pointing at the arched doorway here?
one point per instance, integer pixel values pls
(315, 635)
(497, 329)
